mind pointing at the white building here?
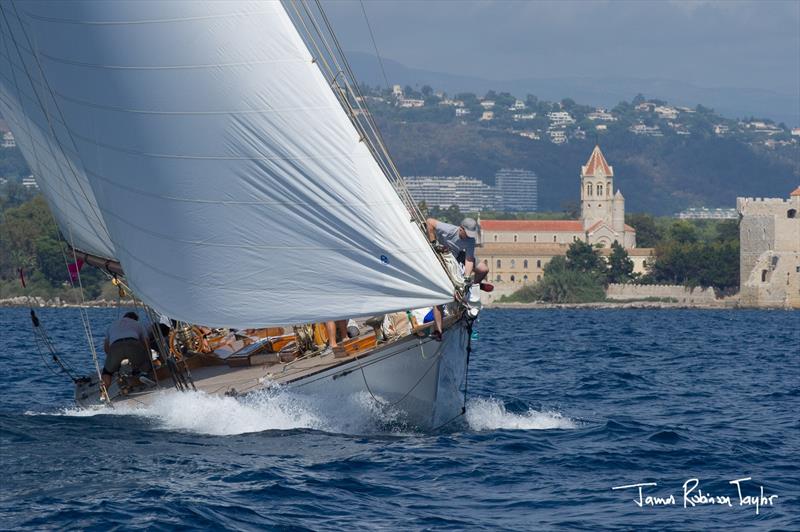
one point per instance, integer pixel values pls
(641, 129)
(601, 115)
(560, 118)
(29, 182)
(469, 194)
(519, 105)
(533, 135)
(8, 140)
(557, 136)
(667, 113)
(704, 213)
(518, 117)
(487, 115)
(487, 104)
(721, 129)
(462, 111)
(410, 103)
(397, 91)
(517, 190)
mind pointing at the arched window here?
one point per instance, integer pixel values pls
(512, 279)
(791, 213)
(525, 264)
(495, 237)
(524, 278)
(538, 263)
(534, 238)
(538, 277)
(513, 263)
(589, 189)
(554, 238)
(763, 276)
(486, 262)
(498, 278)
(499, 264)
(574, 238)
(599, 189)
(608, 188)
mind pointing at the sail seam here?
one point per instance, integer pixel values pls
(169, 67)
(209, 157)
(148, 21)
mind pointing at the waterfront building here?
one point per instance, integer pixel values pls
(462, 111)
(487, 104)
(769, 256)
(410, 103)
(469, 194)
(517, 190)
(704, 213)
(516, 251)
(602, 115)
(487, 115)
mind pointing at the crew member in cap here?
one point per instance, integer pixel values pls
(461, 241)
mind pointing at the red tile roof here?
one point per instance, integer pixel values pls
(597, 161)
(795, 192)
(571, 226)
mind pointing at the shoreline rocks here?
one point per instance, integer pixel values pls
(57, 302)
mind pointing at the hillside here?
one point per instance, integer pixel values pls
(665, 158)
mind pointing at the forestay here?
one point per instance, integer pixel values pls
(234, 187)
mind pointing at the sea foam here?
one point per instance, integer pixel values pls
(491, 414)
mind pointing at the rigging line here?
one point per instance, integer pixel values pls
(400, 186)
(369, 139)
(374, 44)
(44, 108)
(87, 324)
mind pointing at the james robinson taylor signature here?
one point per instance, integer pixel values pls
(694, 496)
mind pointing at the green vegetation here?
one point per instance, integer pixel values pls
(691, 252)
(689, 165)
(580, 277)
(29, 240)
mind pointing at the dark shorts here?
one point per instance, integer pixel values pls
(131, 349)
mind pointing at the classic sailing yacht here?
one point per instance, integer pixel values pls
(218, 156)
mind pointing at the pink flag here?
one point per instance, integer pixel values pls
(74, 268)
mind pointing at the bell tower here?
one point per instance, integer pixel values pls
(597, 190)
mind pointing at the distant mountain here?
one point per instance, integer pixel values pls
(606, 92)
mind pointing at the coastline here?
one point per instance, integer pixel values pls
(608, 305)
(57, 302)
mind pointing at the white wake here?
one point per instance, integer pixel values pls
(491, 414)
(200, 413)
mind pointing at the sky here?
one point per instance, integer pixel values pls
(739, 44)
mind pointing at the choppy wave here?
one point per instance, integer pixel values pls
(491, 414)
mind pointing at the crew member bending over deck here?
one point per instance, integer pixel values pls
(126, 338)
(460, 240)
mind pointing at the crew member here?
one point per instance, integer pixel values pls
(460, 240)
(126, 338)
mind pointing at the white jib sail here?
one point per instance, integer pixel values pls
(28, 108)
(234, 187)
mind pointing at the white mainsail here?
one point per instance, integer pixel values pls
(233, 185)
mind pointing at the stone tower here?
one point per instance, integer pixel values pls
(618, 214)
(597, 189)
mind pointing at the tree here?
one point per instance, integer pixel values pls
(683, 232)
(582, 257)
(647, 234)
(620, 266)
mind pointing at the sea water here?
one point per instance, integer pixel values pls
(564, 406)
